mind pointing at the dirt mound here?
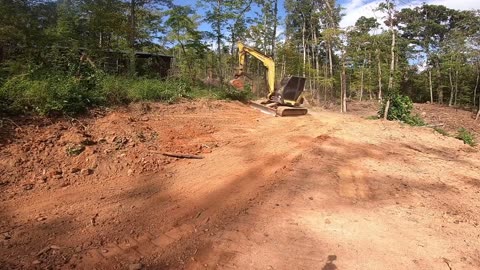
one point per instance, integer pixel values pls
(46, 154)
(448, 118)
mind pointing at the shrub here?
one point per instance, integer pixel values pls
(54, 94)
(466, 136)
(234, 94)
(157, 90)
(400, 109)
(115, 90)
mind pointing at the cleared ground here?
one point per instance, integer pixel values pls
(323, 191)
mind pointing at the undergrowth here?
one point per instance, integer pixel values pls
(52, 94)
(466, 136)
(441, 131)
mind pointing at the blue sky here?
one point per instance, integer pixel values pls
(353, 9)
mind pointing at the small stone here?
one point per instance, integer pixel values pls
(42, 181)
(105, 250)
(327, 221)
(36, 262)
(311, 198)
(28, 187)
(135, 266)
(41, 218)
(86, 172)
(75, 170)
(130, 172)
(6, 236)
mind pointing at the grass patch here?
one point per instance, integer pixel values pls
(441, 131)
(372, 117)
(466, 136)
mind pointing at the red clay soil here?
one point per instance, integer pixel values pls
(322, 191)
(448, 118)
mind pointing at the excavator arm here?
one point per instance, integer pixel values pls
(268, 62)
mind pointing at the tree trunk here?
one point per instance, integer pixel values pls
(392, 52)
(330, 59)
(430, 85)
(478, 112)
(452, 91)
(379, 75)
(304, 47)
(132, 57)
(475, 91)
(218, 32)
(325, 75)
(387, 107)
(361, 83)
(344, 89)
(439, 87)
(456, 88)
(274, 34)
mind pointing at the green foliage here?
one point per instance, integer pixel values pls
(54, 94)
(401, 110)
(441, 131)
(58, 94)
(157, 90)
(466, 136)
(233, 94)
(75, 150)
(415, 120)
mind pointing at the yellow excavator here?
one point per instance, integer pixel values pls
(286, 100)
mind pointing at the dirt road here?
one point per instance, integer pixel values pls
(324, 191)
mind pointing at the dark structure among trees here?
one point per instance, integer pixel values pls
(146, 64)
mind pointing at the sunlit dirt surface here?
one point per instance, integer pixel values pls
(322, 191)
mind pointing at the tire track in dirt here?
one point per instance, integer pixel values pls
(219, 195)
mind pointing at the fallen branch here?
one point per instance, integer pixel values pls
(11, 122)
(435, 125)
(176, 155)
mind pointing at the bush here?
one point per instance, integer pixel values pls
(157, 90)
(466, 136)
(401, 110)
(234, 94)
(55, 94)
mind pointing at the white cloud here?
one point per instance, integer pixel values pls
(354, 9)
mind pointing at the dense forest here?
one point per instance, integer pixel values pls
(65, 56)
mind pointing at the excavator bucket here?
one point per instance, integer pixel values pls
(237, 84)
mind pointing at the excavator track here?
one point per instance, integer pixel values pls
(291, 111)
(279, 110)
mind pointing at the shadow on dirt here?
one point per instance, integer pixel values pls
(330, 265)
(337, 169)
